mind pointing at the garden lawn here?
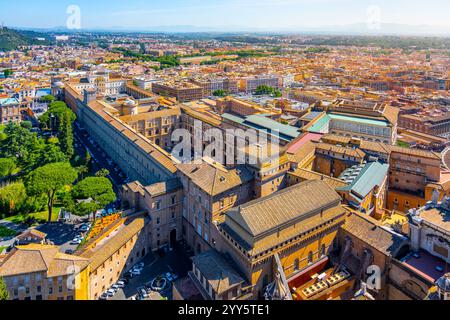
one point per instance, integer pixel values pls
(403, 144)
(38, 216)
(5, 232)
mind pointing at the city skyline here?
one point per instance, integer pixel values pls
(341, 16)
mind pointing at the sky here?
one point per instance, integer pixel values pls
(223, 14)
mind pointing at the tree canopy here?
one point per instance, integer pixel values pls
(7, 167)
(91, 194)
(56, 109)
(4, 295)
(49, 179)
(27, 149)
(264, 89)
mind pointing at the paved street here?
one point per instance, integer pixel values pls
(176, 262)
(16, 227)
(99, 157)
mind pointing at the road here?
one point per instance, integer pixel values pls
(176, 262)
(19, 228)
(100, 159)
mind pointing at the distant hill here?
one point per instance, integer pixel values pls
(11, 39)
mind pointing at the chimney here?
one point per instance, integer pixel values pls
(89, 96)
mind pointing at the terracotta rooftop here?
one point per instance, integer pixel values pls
(294, 203)
(217, 271)
(40, 258)
(215, 179)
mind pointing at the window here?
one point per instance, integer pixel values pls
(310, 257)
(324, 250)
(297, 264)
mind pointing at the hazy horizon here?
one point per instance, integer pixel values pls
(233, 15)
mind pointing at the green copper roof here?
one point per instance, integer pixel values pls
(320, 125)
(379, 123)
(363, 179)
(260, 122)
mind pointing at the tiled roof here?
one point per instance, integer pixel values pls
(160, 188)
(217, 271)
(153, 151)
(357, 153)
(40, 258)
(97, 256)
(371, 232)
(312, 175)
(299, 201)
(213, 179)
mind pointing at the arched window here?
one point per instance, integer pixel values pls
(297, 264)
(310, 257)
(323, 250)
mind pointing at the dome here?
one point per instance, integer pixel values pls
(444, 283)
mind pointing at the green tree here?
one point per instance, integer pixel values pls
(48, 98)
(8, 73)
(48, 180)
(65, 135)
(7, 167)
(52, 153)
(23, 145)
(51, 120)
(92, 194)
(4, 295)
(87, 159)
(26, 124)
(220, 93)
(264, 89)
(12, 198)
(82, 170)
(102, 173)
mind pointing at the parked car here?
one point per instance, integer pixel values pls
(120, 284)
(135, 273)
(111, 293)
(143, 293)
(76, 241)
(171, 277)
(124, 280)
(69, 252)
(104, 296)
(85, 228)
(139, 266)
(115, 287)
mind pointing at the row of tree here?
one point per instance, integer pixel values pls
(45, 170)
(264, 89)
